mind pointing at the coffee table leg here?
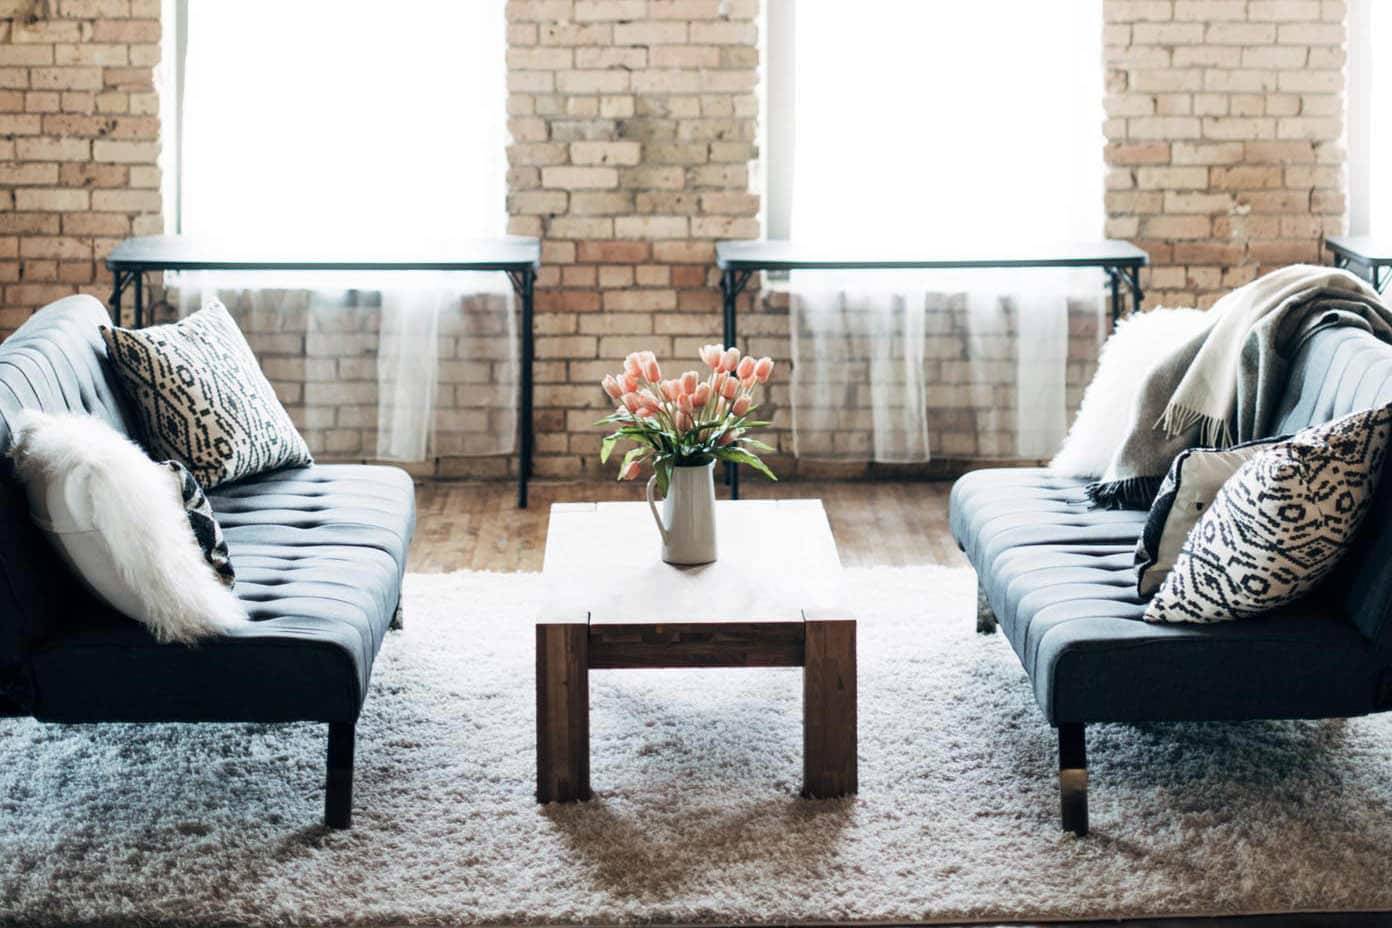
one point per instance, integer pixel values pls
(563, 712)
(829, 709)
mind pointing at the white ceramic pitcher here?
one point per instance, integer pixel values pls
(687, 520)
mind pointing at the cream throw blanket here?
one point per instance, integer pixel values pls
(1222, 386)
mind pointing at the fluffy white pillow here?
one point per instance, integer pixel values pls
(1100, 427)
(118, 519)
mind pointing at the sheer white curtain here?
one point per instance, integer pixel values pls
(345, 129)
(941, 129)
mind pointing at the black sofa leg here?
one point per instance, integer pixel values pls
(985, 615)
(397, 623)
(1073, 777)
(338, 796)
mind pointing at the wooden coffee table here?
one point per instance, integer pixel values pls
(773, 599)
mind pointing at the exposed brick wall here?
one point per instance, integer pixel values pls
(633, 125)
(79, 139)
(1224, 137)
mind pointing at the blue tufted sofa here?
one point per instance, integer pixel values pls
(320, 553)
(1056, 575)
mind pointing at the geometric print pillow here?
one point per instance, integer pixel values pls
(1279, 525)
(205, 526)
(202, 399)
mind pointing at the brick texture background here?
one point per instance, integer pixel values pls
(1225, 120)
(634, 148)
(79, 138)
(634, 129)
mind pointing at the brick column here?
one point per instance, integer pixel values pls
(1225, 120)
(633, 130)
(79, 130)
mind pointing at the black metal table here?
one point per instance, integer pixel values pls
(740, 261)
(518, 257)
(1364, 255)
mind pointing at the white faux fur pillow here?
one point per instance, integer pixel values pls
(1138, 343)
(118, 519)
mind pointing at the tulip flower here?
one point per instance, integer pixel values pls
(687, 419)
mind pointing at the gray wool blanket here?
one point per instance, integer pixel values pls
(1222, 386)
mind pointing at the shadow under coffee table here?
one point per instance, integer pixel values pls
(774, 598)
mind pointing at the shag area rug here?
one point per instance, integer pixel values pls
(696, 817)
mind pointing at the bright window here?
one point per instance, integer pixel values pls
(1369, 134)
(948, 124)
(344, 123)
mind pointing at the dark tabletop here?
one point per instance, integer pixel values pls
(178, 252)
(784, 255)
(1363, 247)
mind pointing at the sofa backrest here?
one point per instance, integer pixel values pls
(55, 362)
(1336, 372)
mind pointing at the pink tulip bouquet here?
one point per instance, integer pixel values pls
(688, 421)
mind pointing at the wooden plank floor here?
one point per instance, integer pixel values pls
(476, 526)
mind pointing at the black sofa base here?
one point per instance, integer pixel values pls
(1073, 777)
(338, 789)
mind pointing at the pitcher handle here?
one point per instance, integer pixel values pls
(652, 482)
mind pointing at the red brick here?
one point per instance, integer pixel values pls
(613, 252)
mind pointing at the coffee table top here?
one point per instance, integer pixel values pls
(777, 562)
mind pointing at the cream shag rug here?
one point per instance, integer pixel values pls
(697, 817)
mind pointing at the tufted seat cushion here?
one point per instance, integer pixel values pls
(320, 553)
(1058, 573)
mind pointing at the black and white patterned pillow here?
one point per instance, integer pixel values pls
(1194, 479)
(1279, 525)
(202, 398)
(204, 524)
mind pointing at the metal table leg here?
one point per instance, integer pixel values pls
(731, 283)
(118, 286)
(1115, 277)
(524, 282)
(139, 298)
